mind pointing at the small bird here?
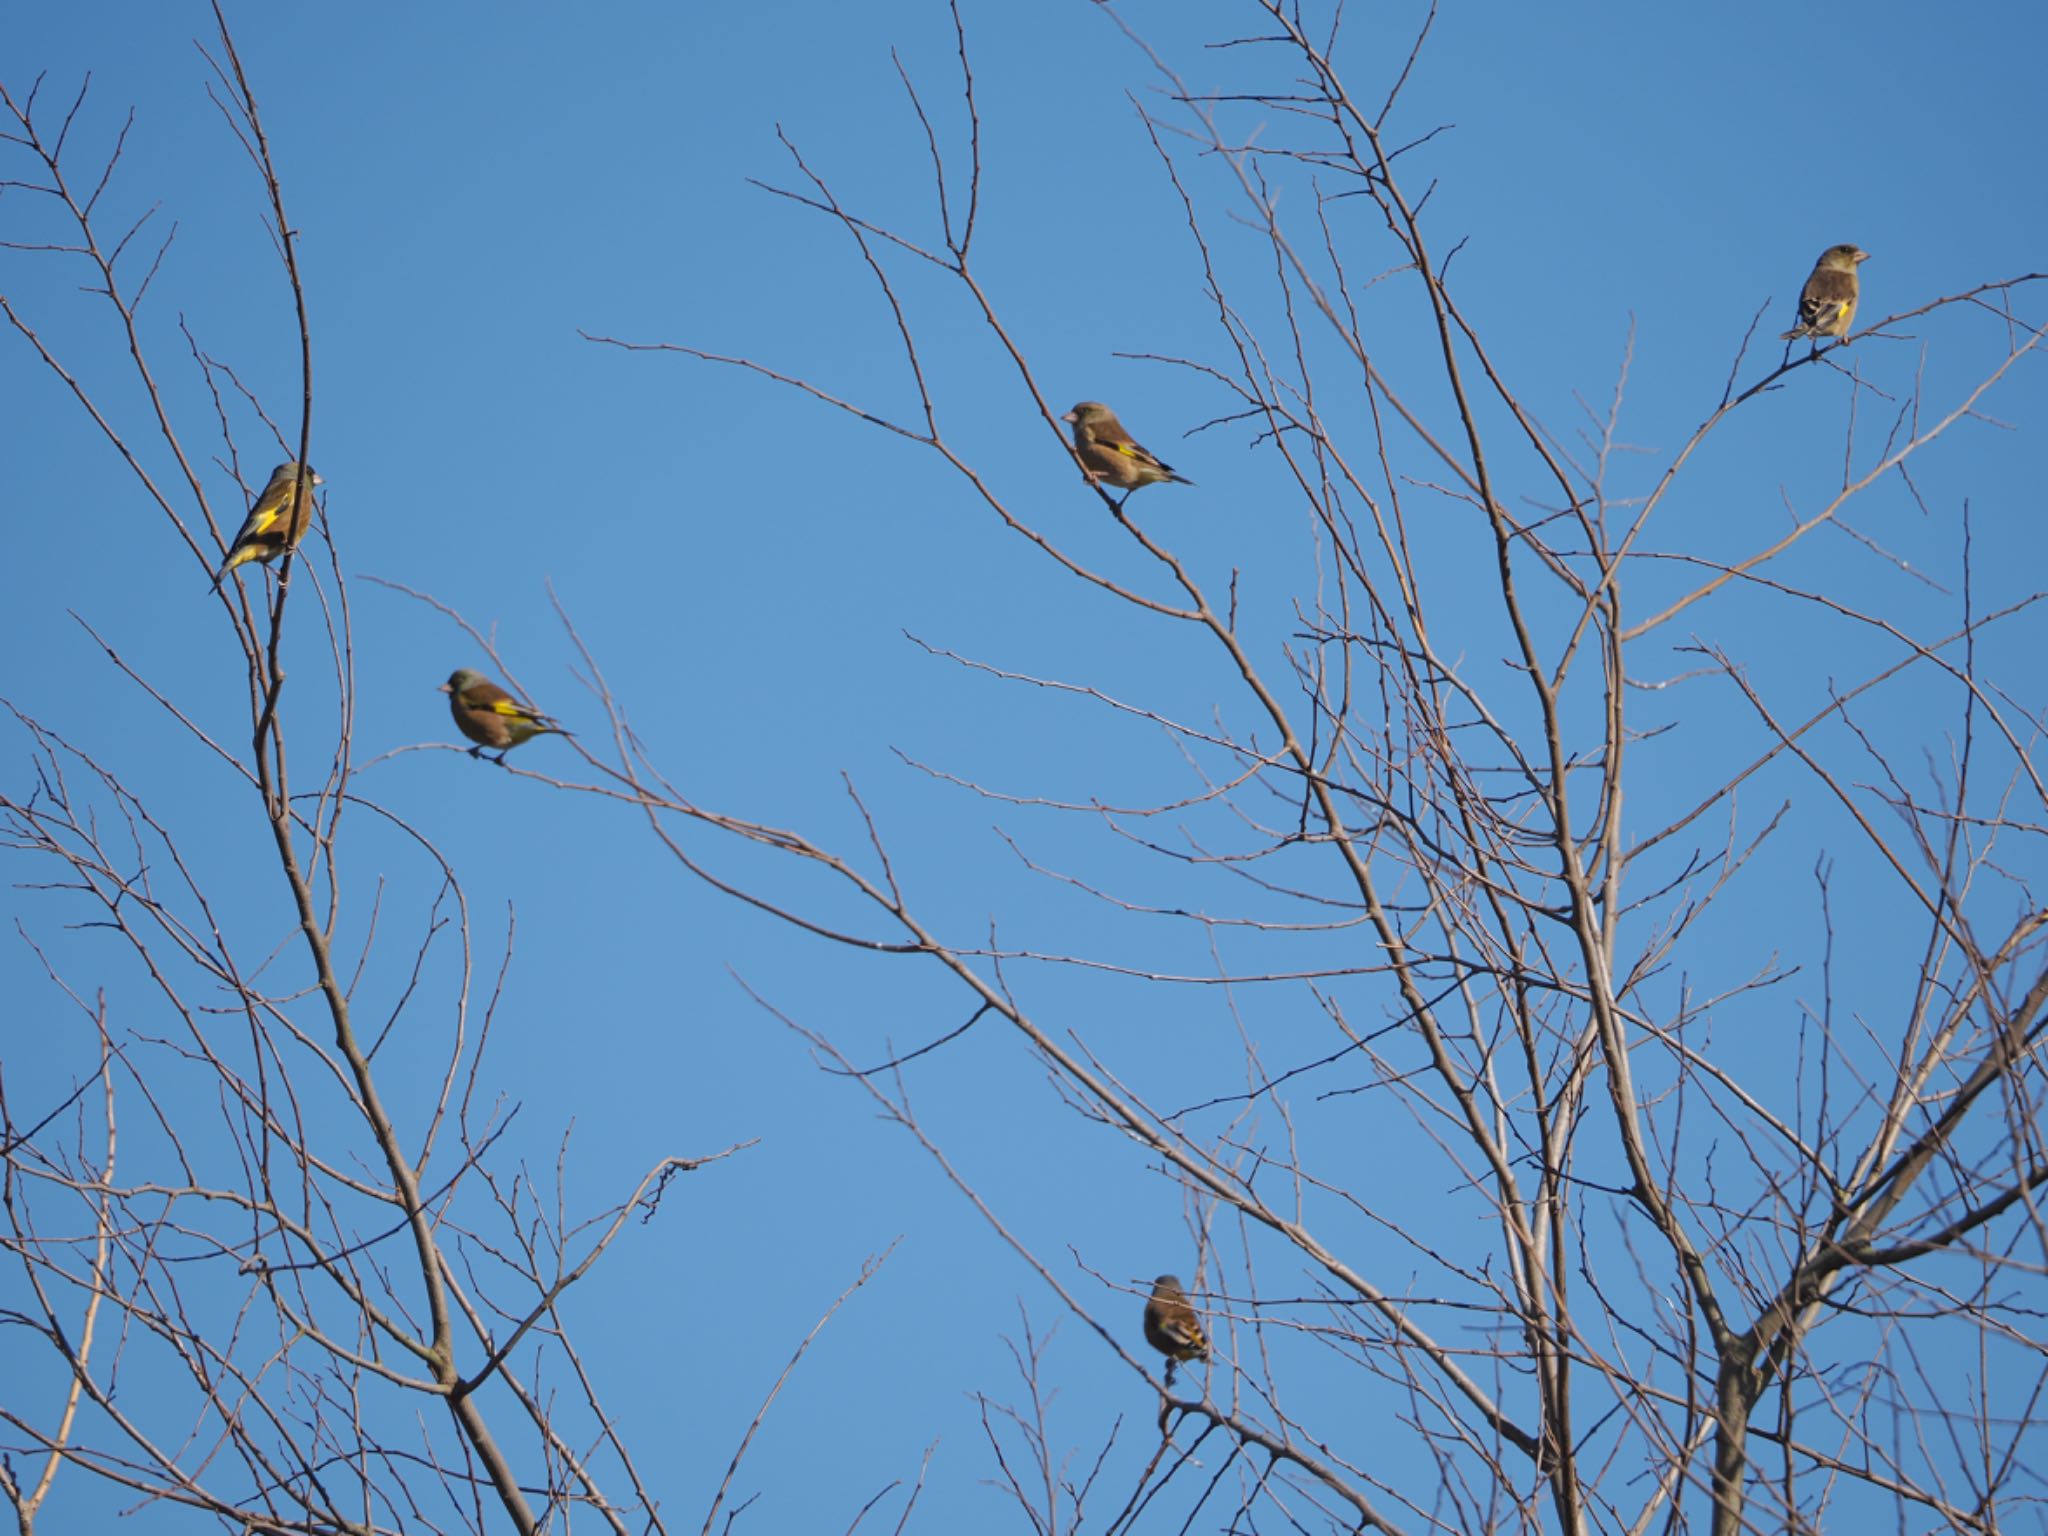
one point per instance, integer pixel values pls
(276, 522)
(1828, 301)
(491, 717)
(1108, 452)
(1171, 1326)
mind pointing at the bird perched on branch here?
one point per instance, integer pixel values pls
(1108, 452)
(1828, 301)
(1171, 1326)
(276, 521)
(491, 717)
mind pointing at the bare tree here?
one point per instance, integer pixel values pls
(1594, 1268)
(1678, 1282)
(344, 1313)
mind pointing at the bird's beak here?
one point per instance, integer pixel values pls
(443, 689)
(1861, 257)
(1068, 417)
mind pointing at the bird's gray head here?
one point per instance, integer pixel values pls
(1087, 411)
(459, 679)
(1167, 1283)
(1843, 258)
(289, 470)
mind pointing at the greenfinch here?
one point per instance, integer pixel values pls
(491, 717)
(1108, 452)
(1828, 301)
(1171, 1326)
(276, 521)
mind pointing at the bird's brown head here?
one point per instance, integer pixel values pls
(1087, 413)
(1844, 258)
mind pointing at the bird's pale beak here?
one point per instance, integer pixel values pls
(442, 689)
(1068, 417)
(1861, 257)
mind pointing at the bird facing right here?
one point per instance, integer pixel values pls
(276, 522)
(1171, 1326)
(1828, 301)
(491, 717)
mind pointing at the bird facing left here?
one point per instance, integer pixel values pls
(491, 717)
(1171, 1326)
(1108, 452)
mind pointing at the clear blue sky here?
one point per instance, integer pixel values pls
(475, 186)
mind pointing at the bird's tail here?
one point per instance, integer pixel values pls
(240, 555)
